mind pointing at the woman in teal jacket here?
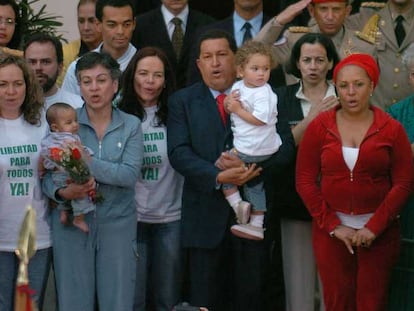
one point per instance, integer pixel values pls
(401, 291)
(102, 263)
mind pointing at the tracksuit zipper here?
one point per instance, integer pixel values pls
(351, 172)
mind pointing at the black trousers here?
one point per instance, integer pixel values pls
(237, 275)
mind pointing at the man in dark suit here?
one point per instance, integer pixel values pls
(156, 28)
(246, 12)
(225, 272)
(142, 6)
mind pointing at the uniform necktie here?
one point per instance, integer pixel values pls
(399, 30)
(177, 36)
(247, 32)
(220, 106)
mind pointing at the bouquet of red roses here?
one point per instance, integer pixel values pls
(72, 160)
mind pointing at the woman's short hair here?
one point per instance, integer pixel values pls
(92, 59)
(33, 101)
(312, 38)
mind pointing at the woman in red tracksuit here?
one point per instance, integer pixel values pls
(354, 172)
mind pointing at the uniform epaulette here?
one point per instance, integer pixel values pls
(13, 52)
(299, 29)
(373, 5)
(370, 30)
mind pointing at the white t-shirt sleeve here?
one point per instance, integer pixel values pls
(70, 83)
(264, 103)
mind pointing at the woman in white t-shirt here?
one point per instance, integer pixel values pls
(22, 127)
(148, 81)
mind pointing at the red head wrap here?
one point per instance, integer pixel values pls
(365, 61)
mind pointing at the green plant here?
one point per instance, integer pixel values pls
(40, 21)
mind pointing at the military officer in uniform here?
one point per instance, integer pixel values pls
(393, 26)
(329, 16)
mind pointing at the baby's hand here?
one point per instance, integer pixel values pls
(235, 93)
(232, 102)
(41, 168)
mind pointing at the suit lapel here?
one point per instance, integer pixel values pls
(162, 32)
(209, 107)
(386, 27)
(211, 118)
(190, 29)
(409, 37)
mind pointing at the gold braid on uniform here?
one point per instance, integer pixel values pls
(299, 29)
(370, 30)
(373, 5)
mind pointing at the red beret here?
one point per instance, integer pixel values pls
(323, 1)
(365, 61)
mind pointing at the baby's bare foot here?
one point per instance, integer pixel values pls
(64, 217)
(81, 224)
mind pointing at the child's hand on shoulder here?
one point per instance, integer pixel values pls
(40, 167)
(232, 102)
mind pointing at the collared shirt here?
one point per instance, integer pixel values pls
(215, 93)
(304, 101)
(338, 38)
(238, 23)
(408, 17)
(168, 16)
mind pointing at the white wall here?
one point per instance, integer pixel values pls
(66, 9)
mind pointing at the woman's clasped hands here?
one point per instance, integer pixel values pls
(354, 237)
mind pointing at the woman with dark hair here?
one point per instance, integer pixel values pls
(10, 24)
(354, 172)
(312, 60)
(147, 83)
(23, 126)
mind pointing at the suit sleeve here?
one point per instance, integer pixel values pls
(197, 170)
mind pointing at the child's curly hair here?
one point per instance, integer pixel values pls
(250, 48)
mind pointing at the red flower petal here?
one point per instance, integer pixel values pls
(76, 154)
(55, 153)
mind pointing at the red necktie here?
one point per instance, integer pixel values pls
(220, 105)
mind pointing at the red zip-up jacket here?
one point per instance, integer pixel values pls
(380, 182)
